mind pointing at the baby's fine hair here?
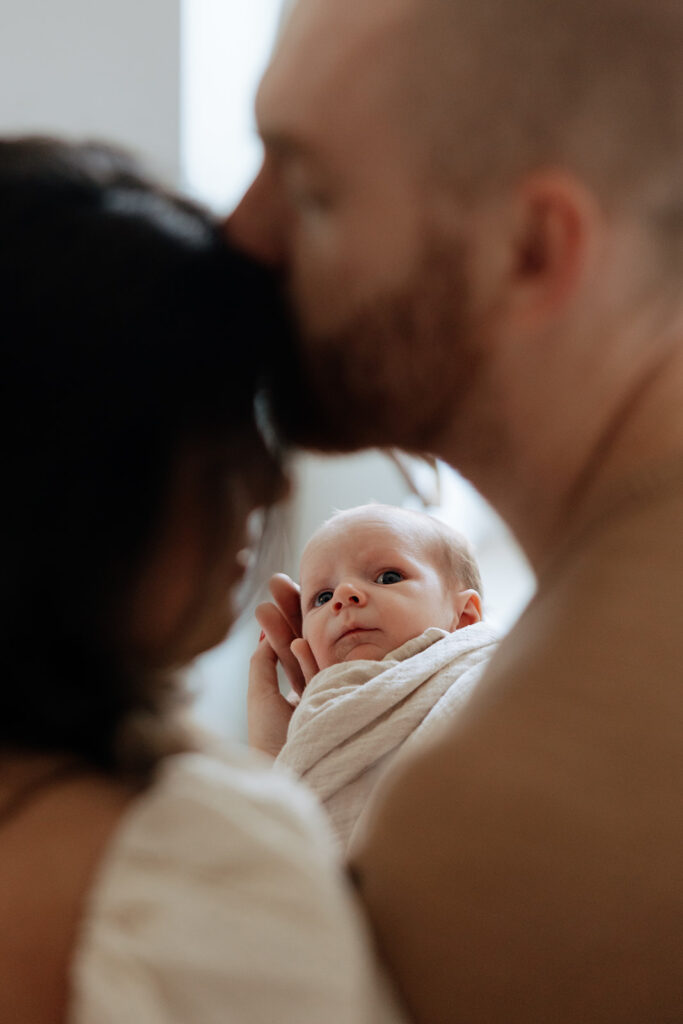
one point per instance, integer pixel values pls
(452, 551)
(455, 554)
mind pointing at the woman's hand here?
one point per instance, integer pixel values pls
(268, 710)
(280, 620)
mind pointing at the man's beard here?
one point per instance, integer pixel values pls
(399, 373)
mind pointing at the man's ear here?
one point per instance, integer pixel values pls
(467, 609)
(553, 226)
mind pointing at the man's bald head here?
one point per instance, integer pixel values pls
(477, 205)
(592, 86)
(493, 89)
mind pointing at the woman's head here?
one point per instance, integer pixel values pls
(133, 343)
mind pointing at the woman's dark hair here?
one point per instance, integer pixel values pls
(129, 333)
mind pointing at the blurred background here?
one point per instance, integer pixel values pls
(174, 81)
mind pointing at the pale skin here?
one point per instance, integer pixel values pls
(370, 580)
(528, 867)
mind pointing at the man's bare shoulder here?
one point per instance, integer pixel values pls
(528, 866)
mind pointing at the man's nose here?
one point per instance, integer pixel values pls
(257, 223)
(347, 595)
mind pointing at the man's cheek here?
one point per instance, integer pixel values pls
(323, 291)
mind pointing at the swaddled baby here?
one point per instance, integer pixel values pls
(392, 645)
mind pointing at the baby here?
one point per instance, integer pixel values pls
(392, 644)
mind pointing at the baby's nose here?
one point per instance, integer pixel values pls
(347, 594)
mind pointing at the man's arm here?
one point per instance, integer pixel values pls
(527, 868)
(441, 868)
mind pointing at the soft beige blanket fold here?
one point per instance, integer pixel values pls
(354, 717)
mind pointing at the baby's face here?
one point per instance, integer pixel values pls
(368, 585)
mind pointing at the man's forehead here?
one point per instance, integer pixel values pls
(324, 46)
(319, 20)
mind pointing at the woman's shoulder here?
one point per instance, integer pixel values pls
(220, 896)
(231, 799)
(205, 821)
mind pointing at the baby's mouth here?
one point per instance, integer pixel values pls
(354, 629)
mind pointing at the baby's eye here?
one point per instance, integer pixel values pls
(322, 598)
(390, 576)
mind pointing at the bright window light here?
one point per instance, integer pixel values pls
(225, 47)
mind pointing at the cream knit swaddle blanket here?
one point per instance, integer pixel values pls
(354, 716)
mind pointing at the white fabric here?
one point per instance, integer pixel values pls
(353, 717)
(219, 901)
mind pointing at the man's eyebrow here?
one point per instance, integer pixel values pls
(283, 145)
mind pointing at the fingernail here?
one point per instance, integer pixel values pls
(262, 637)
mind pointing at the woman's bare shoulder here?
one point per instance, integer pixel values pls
(51, 847)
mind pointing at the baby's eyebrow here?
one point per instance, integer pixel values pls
(305, 594)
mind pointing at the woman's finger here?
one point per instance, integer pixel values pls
(287, 597)
(304, 655)
(263, 671)
(279, 635)
(268, 712)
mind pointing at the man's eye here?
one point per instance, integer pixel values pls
(308, 199)
(322, 598)
(390, 576)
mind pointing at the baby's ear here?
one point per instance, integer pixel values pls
(467, 609)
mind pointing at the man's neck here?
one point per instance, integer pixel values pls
(561, 460)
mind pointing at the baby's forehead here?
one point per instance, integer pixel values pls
(351, 532)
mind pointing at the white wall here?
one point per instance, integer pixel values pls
(94, 68)
(225, 46)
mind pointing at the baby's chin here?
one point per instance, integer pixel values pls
(358, 647)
